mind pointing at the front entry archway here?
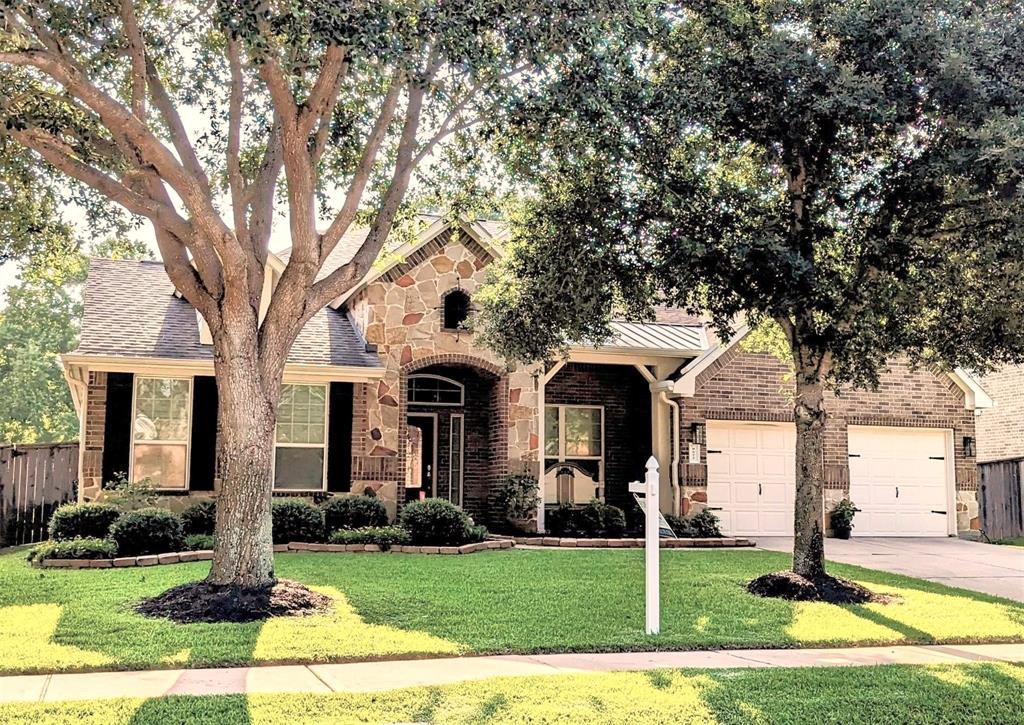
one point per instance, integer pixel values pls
(453, 449)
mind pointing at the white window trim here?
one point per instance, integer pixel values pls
(325, 446)
(462, 455)
(456, 383)
(188, 429)
(561, 457)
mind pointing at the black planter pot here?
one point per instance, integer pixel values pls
(842, 533)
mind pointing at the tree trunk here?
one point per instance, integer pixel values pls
(246, 418)
(808, 525)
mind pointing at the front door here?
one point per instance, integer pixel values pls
(421, 477)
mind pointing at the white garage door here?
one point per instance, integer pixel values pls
(899, 480)
(751, 470)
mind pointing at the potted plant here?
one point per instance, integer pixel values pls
(842, 518)
(517, 498)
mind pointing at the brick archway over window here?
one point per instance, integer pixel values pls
(497, 434)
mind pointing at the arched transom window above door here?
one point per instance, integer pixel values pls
(426, 389)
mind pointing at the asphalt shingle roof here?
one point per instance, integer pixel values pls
(131, 310)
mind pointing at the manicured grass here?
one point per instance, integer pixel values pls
(989, 693)
(494, 602)
(1016, 541)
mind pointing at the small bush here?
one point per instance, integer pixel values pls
(354, 512)
(147, 531)
(199, 542)
(518, 497)
(383, 536)
(199, 518)
(682, 527)
(705, 524)
(476, 534)
(296, 520)
(129, 495)
(82, 521)
(87, 548)
(435, 522)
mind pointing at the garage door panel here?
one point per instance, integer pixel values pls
(751, 477)
(898, 477)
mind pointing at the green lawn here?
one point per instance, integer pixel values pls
(493, 602)
(1016, 541)
(987, 693)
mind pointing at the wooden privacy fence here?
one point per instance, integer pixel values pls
(1000, 504)
(34, 480)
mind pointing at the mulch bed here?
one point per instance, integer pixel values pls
(204, 602)
(830, 589)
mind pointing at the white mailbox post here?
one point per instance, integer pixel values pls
(652, 545)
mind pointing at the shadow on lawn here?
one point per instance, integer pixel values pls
(232, 709)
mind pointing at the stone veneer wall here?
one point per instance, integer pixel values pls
(400, 314)
(1001, 428)
(92, 437)
(752, 386)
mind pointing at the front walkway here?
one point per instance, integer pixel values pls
(378, 676)
(987, 568)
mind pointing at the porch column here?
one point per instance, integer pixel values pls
(542, 380)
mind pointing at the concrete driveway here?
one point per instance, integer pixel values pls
(997, 570)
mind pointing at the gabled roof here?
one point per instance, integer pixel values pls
(131, 310)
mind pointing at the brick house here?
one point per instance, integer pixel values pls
(1001, 427)
(386, 391)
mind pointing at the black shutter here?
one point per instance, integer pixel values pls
(203, 456)
(339, 438)
(117, 428)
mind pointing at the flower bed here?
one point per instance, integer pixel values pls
(206, 555)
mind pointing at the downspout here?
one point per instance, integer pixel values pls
(674, 472)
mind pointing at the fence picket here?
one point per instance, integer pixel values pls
(34, 480)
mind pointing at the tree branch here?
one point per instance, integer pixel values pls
(236, 181)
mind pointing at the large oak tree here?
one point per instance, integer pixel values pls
(846, 169)
(209, 119)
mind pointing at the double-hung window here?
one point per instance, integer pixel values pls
(300, 451)
(160, 428)
(573, 453)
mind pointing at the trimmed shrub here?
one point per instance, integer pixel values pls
(199, 542)
(199, 518)
(476, 534)
(354, 512)
(82, 521)
(436, 522)
(682, 527)
(705, 525)
(595, 520)
(147, 531)
(88, 548)
(383, 536)
(296, 520)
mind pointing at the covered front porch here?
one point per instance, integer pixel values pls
(601, 415)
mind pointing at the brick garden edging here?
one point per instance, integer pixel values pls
(207, 554)
(554, 541)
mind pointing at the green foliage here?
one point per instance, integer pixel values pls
(705, 524)
(39, 322)
(843, 169)
(82, 521)
(435, 522)
(593, 520)
(384, 536)
(199, 542)
(296, 520)
(199, 518)
(354, 512)
(517, 497)
(681, 526)
(842, 515)
(129, 495)
(147, 531)
(78, 548)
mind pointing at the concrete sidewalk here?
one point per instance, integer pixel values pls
(377, 676)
